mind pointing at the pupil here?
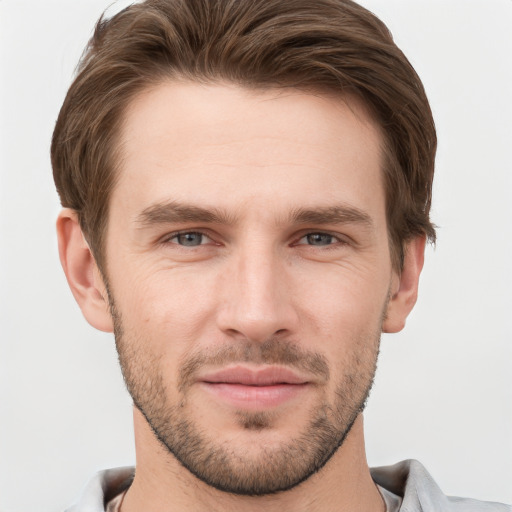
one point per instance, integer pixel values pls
(319, 239)
(190, 239)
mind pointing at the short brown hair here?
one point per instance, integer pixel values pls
(322, 45)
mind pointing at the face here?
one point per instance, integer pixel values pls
(249, 274)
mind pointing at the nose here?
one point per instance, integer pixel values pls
(257, 301)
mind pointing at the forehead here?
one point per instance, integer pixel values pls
(223, 145)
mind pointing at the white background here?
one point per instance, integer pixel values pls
(443, 392)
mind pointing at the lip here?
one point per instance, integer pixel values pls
(254, 389)
(266, 376)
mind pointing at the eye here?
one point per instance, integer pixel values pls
(189, 239)
(318, 239)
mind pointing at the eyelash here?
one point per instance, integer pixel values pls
(171, 236)
(337, 240)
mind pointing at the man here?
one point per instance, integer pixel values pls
(247, 189)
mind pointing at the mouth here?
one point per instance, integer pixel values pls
(254, 389)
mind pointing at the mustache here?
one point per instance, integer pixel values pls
(273, 351)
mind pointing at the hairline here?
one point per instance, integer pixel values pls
(348, 97)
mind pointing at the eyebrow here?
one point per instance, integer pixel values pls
(341, 214)
(175, 212)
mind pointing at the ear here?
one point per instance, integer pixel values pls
(82, 273)
(404, 287)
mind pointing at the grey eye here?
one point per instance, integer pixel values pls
(319, 239)
(189, 239)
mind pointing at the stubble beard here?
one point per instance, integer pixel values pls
(218, 464)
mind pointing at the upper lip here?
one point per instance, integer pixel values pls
(266, 376)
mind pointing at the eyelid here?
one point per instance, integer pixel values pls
(167, 239)
(339, 238)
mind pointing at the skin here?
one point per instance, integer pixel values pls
(261, 274)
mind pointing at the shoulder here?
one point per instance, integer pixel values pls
(104, 486)
(419, 492)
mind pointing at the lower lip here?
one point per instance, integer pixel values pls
(254, 397)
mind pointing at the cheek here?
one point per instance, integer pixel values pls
(342, 319)
(165, 308)
(342, 299)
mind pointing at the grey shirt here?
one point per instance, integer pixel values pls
(406, 487)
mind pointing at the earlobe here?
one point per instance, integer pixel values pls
(405, 292)
(82, 273)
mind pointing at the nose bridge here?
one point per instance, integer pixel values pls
(257, 299)
(257, 278)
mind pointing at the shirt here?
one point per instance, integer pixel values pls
(406, 485)
(392, 501)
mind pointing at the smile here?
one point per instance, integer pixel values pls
(254, 389)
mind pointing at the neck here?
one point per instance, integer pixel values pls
(162, 483)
